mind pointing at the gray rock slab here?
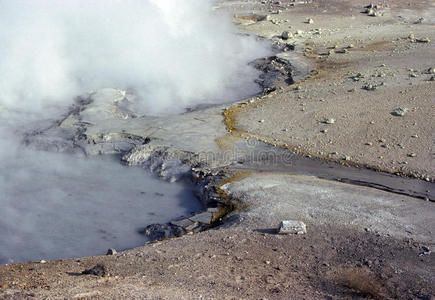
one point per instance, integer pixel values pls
(204, 218)
(185, 223)
(292, 227)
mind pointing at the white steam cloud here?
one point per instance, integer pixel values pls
(172, 53)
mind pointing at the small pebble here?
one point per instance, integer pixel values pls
(399, 112)
(423, 40)
(285, 35)
(111, 251)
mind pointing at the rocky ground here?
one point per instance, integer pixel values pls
(370, 99)
(361, 242)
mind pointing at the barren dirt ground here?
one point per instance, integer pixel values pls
(360, 242)
(365, 69)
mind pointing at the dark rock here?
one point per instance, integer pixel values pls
(162, 231)
(111, 251)
(275, 73)
(97, 270)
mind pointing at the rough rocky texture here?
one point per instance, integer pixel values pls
(366, 68)
(292, 227)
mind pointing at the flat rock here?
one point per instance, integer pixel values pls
(204, 218)
(292, 227)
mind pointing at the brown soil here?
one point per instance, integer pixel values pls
(238, 263)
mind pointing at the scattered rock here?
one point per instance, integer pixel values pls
(419, 21)
(426, 250)
(292, 227)
(97, 270)
(329, 121)
(371, 12)
(162, 231)
(432, 78)
(111, 251)
(285, 35)
(412, 154)
(372, 6)
(310, 21)
(369, 87)
(357, 77)
(399, 112)
(423, 40)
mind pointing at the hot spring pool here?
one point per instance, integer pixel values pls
(58, 206)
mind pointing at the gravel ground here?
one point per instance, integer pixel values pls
(366, 68)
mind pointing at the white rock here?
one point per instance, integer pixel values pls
(292, 227)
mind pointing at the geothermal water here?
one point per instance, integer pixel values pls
(172, 54)
(60, 206)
